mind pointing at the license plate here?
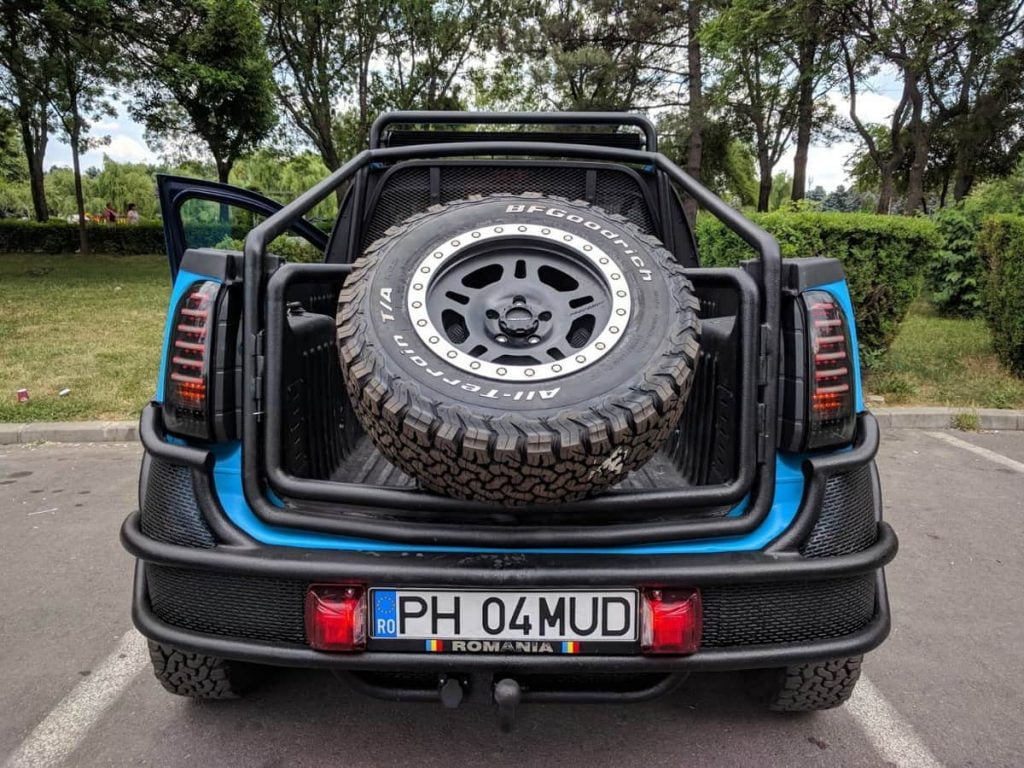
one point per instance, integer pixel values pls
(471, 621)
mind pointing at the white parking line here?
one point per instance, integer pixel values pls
(991, 455)
(68, 723)
(891, 735)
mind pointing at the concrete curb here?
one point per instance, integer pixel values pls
(942, 418)
(128, 431)
(70, 432)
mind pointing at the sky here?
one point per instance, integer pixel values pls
(826, 164)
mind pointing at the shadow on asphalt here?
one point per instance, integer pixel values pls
(710, 712)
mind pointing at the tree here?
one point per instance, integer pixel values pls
(202, 70)
(885, 149)
(13, 170)
(696, 107)
(907, 35)
(727, 167)
(976, 93)
(842, 200)
(815, 28)
(428, 49)
(782, 189)
(79, 66)
(611, 54)
(24, 89)
(757, 80)
(322, 52)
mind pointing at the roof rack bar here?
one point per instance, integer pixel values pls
(447, 117)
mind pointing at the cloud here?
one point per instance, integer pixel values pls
(825, 165)
(125, 149)
(105, 126)
(872, 107)
(122, 149)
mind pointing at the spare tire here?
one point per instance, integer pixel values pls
(517, 348)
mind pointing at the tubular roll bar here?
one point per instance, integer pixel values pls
(442, 117)
(255, 289)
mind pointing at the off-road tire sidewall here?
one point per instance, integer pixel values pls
(472, 437)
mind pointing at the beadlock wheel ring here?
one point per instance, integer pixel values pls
(560, 245)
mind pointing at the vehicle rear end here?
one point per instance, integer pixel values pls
(287, 516)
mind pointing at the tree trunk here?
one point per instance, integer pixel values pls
(364, 108)
(34, 153)
(764, 187)
(805, 103)
(695, 142)
(83, 235)
(886, 189)
(919, 143)
(945, 190)
(223, 173)
(964, 171)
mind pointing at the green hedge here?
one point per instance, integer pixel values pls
(884, 257)
(20, 236)
(956, 276)
(1001, 245)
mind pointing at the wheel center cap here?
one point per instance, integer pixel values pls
(518, 320)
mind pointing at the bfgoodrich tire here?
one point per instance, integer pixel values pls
(517, 348)
(198, 676)
(808, 687)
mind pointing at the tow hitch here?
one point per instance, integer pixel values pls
(507, 695)
(452, 689)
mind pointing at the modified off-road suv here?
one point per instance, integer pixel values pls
(505, 439)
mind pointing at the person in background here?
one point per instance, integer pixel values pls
(109, 214)
(132, 214)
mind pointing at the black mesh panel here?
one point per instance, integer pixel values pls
(787, 612)
(847, 520)
(252, 607)
(169, 511)
(407, 190)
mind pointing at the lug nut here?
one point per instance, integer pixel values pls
(535, 339)
(501, 339)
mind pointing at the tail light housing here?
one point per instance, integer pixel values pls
(672, 620)
(817, 393)
(336, 617)
(187, 388)
(830, 407)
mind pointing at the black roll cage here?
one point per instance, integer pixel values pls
(261, 341)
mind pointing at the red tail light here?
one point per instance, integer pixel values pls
(672, 621)
(336, 617)
(830, 408)
(187, 388)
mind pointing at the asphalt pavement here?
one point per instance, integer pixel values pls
(947, 688)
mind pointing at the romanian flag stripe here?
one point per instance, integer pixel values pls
(435, 646)
(570, 646)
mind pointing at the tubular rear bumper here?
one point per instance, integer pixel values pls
(762, 609)
(529, 571)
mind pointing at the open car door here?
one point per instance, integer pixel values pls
(207, 214)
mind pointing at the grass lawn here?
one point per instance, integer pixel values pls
(92, 324)
(944, 361)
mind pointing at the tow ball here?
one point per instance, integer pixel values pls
(506, 694)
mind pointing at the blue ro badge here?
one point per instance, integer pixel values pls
(385, 613)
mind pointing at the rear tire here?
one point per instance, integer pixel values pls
(808, 687)
(198, 676)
